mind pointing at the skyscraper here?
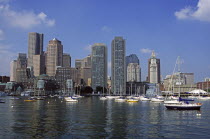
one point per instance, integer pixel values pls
(13, 67)
(35, 46)
(118, 66)
(154, 69)
(54, 56)
(99, 65)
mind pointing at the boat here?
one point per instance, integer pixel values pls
(120, 99)
(184, 106)
(159, 97)
(2, 101)
(184, 103)
(171, 102)
(70, 99)
(156, 100)
(132, 100)
(30, 100)
(142, 98)
(203, 98)
(13, 98)
(40, 98)
(173, 97)
(110, 97)
(103, 98)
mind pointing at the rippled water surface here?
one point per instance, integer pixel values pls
(94, 118)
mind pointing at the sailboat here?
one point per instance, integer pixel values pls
(103, 97)
(144, 98)
(120, 98)
(183, 103)
(157, 98)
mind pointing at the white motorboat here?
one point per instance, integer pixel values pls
(103, 98)
(110, 97)
(203, 98)
(156, 100)
(70, 99)
(144, 99)
(173, 98)
(120, 99)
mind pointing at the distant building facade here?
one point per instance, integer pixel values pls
(83, 63)
(153, 69)
(182, 81)
(39, 65)
(21, 60)
(4, 79)
(99, 65)
(22, 75)
(66, 60)
(54, 56)
(64, 73)
(85, 75)
(133, 72)
(118, 66)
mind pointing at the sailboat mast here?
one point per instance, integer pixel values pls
(179, 74)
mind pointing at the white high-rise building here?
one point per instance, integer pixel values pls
(13, 67)
(133, 72)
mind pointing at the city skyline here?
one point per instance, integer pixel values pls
(171, 29)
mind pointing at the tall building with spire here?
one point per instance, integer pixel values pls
(154, 69)
(99, 65)
(54, 56)
(35, 46)
(118, 66)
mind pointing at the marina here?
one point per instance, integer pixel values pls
(95, 118)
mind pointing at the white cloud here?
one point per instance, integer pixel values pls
(200, 12)
(106, 29)
(88, 48)
(24, 19)
(6, 56)
(146, 51)
(1, 35)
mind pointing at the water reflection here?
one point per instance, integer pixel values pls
(93, 118)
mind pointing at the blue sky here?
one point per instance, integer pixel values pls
(169, 27)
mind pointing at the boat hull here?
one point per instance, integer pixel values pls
(29, 100)
(182, 107)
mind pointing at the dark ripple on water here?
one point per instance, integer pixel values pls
(93, 118)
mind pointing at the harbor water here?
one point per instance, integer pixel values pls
(91, 117)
